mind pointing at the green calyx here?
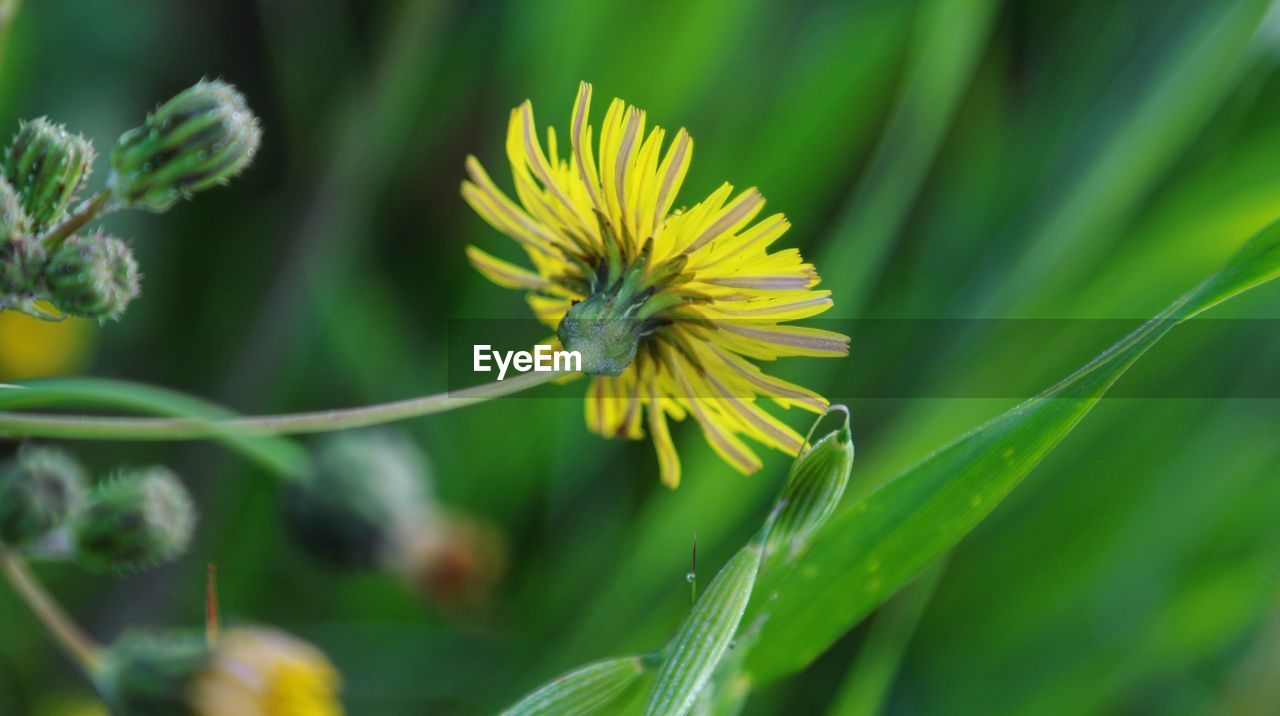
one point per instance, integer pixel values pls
(623, 308)
(39, 490)
(93, 276)
(47, 166)
(201, 138)
(134, 520)
(151, 674)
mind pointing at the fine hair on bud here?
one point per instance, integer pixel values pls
(93, 276)
(151, 674)
(22, 258)
(200, 138)
(136, 519)
(39, 490)
(22, 266)
(363, 502)
(14, 221)
(48, 166)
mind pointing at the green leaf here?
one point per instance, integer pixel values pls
(587, 690)
(870, 549)
(705, 636)
(279, 455)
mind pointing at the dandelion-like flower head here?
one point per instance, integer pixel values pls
(668, 307)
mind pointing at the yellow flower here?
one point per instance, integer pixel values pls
(32, 348)
(264, 672)
(668, 307)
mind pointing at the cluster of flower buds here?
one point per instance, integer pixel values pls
(368, 504)
(132, 520)
(247, 670)
(199, 139)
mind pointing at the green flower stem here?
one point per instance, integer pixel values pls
(89, 427)
(88, 210)
(50, 615)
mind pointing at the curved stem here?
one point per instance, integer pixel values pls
(83, 214)
(87, 427)
(50, 615)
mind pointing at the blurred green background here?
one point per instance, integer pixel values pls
(938, 159)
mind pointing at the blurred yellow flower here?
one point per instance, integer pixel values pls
(666, 307)
(32, 348)
(264, 672)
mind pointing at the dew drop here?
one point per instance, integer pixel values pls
(690, 577)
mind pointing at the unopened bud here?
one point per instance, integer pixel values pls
(201, 138)
(22, 264)
(93, 276)
(134, 520)
(48, 166)
(14, 221)
(39, 490)
(813, 490)
(148, 673)
(362, 501)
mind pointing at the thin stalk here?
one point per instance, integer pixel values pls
(89, 427)
(66, 632)
(88, 210)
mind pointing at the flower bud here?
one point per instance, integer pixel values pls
(39, 490)
(48, 166)
(200, 138)
(148, 673)
(813, 490)
(134, 520)
(250, 670)
(362, 501)
(93, 276)
(22, 263)
(14, 221)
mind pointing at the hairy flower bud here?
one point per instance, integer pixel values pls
(134, 520)
(14, 221)
(48, 166)
(22, 264)
(200, 138)
(93, 276)
(366, 495)
(39, 490)
(152, 674)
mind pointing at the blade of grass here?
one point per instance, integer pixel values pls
(867, 686)
(873, 547)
